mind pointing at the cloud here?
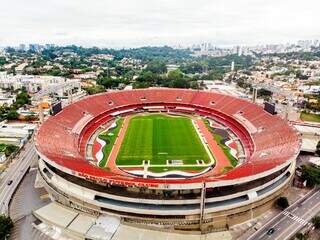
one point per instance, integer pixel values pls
(128, 23)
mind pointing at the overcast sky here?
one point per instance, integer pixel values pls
(132, 23)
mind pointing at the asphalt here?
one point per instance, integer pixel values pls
(290, 221)
(25, 200)
(15, 173)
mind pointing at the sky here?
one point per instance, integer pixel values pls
(135, 23)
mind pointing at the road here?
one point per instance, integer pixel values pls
(292, 220)
(15, 173)
(24, 201)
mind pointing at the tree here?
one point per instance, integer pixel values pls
(301, 236)
(141, 85)
(177, 79)
(109, 82)
(157, 66)
(12, 115)
(148, 79)
(194, 85)
(175, 75)
(316, 222)
(282, 203)
(310, 174)
(192, 67)
(217, 74)
(6, 225)
(264, 93)
(29, 118)
(94, 89)
(10, 149)
(147, 76)
(3, 61)
(179, 83)
(22, 99)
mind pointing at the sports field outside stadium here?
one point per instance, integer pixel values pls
(159, 138)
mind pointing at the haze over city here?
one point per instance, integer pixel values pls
(126, 23)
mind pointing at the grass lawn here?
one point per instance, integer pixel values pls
(109, 137)
(159, 138)
(8, 149)
(225, 149)
(310, 117)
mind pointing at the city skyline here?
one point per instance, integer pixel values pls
(144, 23)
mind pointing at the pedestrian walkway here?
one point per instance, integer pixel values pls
(297, 219)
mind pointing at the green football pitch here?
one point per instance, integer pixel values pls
(158, 138)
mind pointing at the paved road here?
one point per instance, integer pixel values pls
(19, 232)
(25, 200)
(15, 173)
(292, 220)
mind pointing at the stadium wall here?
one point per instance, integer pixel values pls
(214, 218)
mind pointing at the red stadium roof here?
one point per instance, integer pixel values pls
(267, 139)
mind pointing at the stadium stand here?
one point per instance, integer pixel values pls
(270, 149)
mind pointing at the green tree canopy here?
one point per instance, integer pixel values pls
(6, 225)
(302, 236)
(22, 99)
(2, 61)
(12, 115)
(109, 82)
(316, 222)
(94, 89)
(175, 75)
(157, 66)
(282, 203)
(311, 175)
(192, 67)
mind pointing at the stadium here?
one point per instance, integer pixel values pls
(167, 158)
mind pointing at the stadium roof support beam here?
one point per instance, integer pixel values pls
(202, 203)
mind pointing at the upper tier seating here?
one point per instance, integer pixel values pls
(271, 143)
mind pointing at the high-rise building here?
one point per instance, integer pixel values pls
(232, 66)
(49, 46)
(22, 47)
(239, 50)
(34, 47)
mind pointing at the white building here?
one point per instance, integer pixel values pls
(42, 85)
(16, 134)
(6, 98)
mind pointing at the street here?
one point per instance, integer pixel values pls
(25, 200)
(14, 174)
(291, 220)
